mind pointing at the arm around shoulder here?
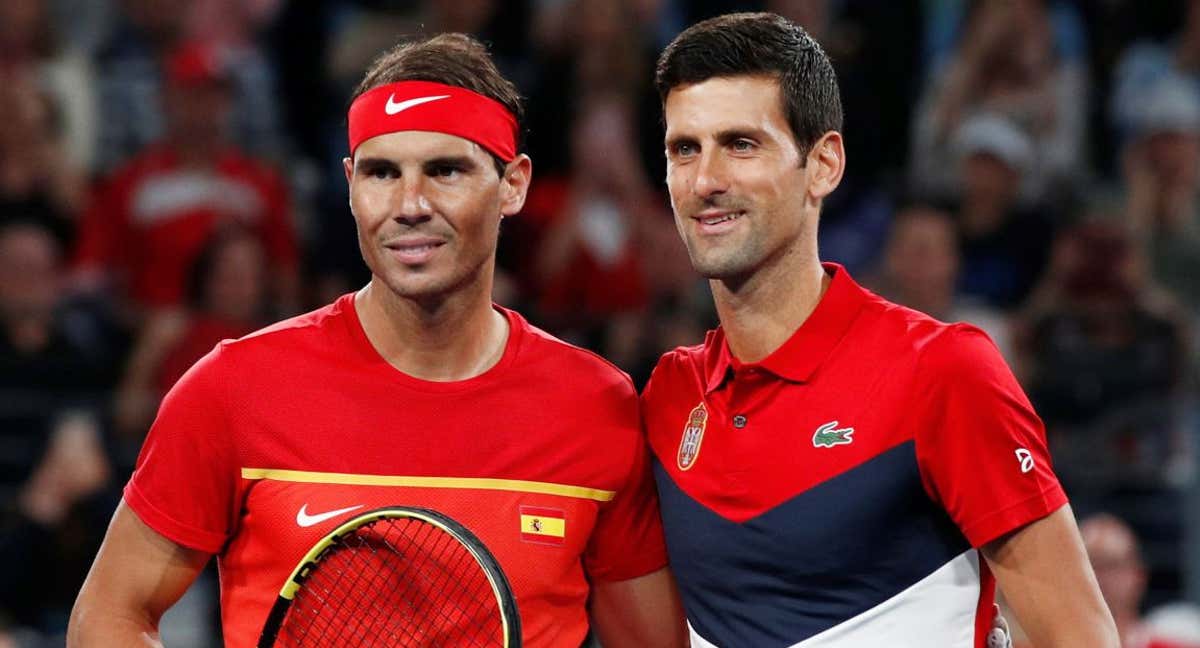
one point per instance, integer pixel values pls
(641, 612)
(1043, 570)
(136, 576)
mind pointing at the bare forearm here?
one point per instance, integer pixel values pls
(1045, 576)
(1065, 621)
(643, 612)
(93, 626)
(1085, 635)
(136, 577)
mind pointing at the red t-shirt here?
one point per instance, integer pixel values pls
(268, 434)
(150, 221)
(835, 493)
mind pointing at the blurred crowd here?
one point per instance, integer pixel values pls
(170, 176)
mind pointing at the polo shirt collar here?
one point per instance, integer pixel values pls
(801, 354)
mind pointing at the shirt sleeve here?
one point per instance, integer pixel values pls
(627, 540)
(186, 479)
(981, 448)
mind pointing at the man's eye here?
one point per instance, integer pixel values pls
(446, 171)
(743, 146)
(685, 150)
(381, 173)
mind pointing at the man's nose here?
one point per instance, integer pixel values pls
(413, 206)
(711, 176)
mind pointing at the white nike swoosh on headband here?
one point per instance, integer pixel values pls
(392, 107)
(305, 520)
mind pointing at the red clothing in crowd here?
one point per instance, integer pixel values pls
(149, 221)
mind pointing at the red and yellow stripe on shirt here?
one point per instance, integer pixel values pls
(543, 525)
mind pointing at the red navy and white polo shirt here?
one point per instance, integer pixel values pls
(835, 493)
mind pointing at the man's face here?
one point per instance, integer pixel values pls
(199, 112)
(237, 281)
(734, 173)
(1120, 573)
(428, 208)
(1174, 157)
(922, 253)
(989, 179)
(29, 272)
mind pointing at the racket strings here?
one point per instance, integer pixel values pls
(402, 582)
(477, 602)
(461, 590)
(433, 574)
(356, 628)
(395, 582)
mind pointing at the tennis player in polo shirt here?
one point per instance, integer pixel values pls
(416, 390)
(833, 470)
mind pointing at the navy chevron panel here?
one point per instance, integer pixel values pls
(816, 560)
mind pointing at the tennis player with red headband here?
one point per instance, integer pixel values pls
(416, 390)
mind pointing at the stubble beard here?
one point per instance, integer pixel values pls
(427, 290)
(729, 257)
(729, 261)
(431, 291)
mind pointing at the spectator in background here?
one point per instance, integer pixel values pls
(230, 22)
(1003, 245)
(1007, 63)
(37, 177)
(588, 264)
(1161, 168)
(128, 78)
(944, 22)
(33, 53)
(920, 270)
(227, 295)
(150, 219)
(237, 26)
(53, 465)
(1105, 361)
(1146, 63)
(590, 48)
(1116, 558)
(133, 66)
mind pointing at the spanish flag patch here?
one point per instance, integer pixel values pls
(543, 525)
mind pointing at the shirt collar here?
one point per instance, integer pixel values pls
(801, 354)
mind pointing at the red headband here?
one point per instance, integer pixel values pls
(428, 106)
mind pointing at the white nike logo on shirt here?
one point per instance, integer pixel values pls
(392, 107)
(306, 520)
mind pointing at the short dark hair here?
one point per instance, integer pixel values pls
(752, 44)
(453, 59)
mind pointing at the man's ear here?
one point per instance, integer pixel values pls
(348, 168)
(826, 163)
(514, 186)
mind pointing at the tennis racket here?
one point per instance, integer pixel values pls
(395, 577)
